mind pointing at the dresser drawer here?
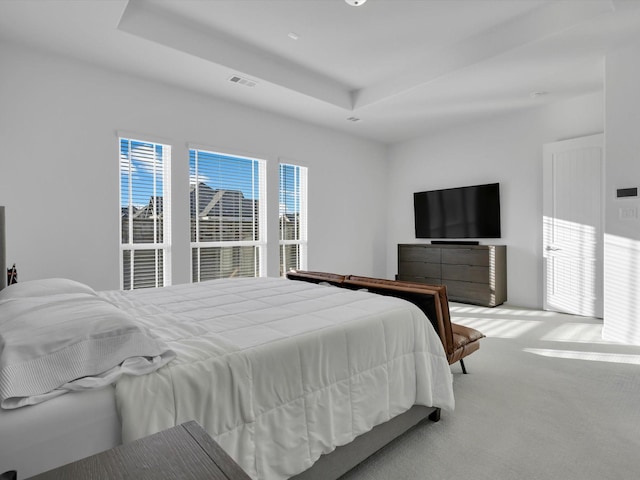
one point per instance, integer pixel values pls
(466, 273)
(418, 253)
(420, 269)
(425, 280)
(466, 256)
(469, 292)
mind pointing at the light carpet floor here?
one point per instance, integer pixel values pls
(545, 398)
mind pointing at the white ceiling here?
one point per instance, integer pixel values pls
(403, 67)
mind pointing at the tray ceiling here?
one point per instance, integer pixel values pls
(402, 67)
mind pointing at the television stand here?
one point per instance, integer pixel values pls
(474, 274)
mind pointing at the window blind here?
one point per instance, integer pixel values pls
(293, 217)
(227, 202)
(145, 213)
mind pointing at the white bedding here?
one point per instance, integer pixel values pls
(278, 371)
(58, 336)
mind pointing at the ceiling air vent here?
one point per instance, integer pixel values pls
(242, 81)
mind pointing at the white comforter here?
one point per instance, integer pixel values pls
(280, 371)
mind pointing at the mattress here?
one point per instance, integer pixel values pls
(38, 438)
(280, 372)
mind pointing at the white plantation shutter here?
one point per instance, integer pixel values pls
(145, 214)
(293, 217)
(227, 199)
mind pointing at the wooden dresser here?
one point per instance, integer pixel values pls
(474, 274)
(186, 452)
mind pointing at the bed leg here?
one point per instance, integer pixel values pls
(435, 415)
(464, 370)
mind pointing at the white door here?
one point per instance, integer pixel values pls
(572, 230)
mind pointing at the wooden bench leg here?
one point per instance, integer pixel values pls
(464, 370)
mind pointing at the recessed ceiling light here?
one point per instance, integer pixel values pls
(538, 94)
(355, 3)
(293, 35)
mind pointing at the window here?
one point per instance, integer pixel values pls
(227, 198)
(293, 218)
(144, 210)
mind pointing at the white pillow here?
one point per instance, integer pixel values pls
(54, 344)
(46, 286)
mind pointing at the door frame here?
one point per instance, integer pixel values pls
(549, 149)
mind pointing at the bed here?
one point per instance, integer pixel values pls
(280, 373)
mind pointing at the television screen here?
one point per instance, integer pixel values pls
(465, 212)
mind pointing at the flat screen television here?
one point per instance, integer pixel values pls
(464, 212)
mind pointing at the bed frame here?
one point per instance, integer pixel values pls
(335, 464)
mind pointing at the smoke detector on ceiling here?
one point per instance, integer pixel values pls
(355, 3)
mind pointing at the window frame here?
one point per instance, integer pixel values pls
(301, 192)
(260, 243)
(130, 245)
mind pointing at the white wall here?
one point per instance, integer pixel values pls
(506, 149)
(59, 169)
(622, 236)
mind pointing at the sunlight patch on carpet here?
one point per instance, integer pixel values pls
(498, 327)
(577, 332)
(588, 356)
(462, 309)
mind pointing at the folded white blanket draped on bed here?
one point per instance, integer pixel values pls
(58, 336)
(280, 372)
